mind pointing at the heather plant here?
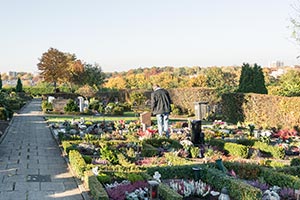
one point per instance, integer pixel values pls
(119, 191)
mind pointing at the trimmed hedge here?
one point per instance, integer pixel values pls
(69, 145)
(255, 108)
(231, 148)
(237, 188)
(77, 163)
(168, 193)
(97, 190)
(270, 175)
(243, 151)
(293, 170)
(275, 151)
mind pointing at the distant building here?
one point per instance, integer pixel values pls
(276, 64)
(278, 73)
(12, 74)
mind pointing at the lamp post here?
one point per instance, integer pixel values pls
(196, 173)
(153, 190)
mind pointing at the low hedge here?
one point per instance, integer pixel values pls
(243, 150)
(270, 175)
(237, 189)
(280, 179)
(69, 145)
(231, 148)
(168, 193)
(77, 163)
(97, 190)
(292, 170)
(275, 151)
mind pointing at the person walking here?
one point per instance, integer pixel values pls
(161, 107)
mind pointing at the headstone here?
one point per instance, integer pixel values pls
(50, 99)
(86, 104)
(59, 104)
(145, 118)
(81, 104)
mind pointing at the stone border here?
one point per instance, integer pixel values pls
(83, 190)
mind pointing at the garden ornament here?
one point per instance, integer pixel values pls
(95, 171)
(157, 176)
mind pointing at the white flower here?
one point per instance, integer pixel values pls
(95, 171)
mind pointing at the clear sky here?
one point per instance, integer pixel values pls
(125, 34)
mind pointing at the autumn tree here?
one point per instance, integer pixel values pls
(53, 66)
(75, 71)
(86, 91)
(289, 83)
(197, 81)
(116, 83)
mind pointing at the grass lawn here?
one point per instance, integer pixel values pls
(128, 116)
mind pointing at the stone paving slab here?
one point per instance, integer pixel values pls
(28, 153)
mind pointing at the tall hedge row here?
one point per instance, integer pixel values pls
(181, 97)
(263, 110)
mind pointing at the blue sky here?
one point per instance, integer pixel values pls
(125, 34)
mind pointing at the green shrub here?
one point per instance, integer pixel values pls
(237, 188)
(176, 110)
(71, 106)
(77, 163)
(104, 178)
(132, 177)
(68, 146)
(246, 142)
(2, 113)
(231, 148)
(148, 150)
(168, 193)
(47, 106)
(275, 151)
(236, 149)
(295, 162)
(282, 180)
(87, 159)
(294, 170)
(123, 160)
(195, 151)
(109, 154)
(173, 159)
(165, 143)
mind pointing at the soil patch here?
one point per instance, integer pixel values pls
(3, 126)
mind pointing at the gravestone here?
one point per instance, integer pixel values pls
(59, 104)
(81, 104)
(50, 99)
(145, 119)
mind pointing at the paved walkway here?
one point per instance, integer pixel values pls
(31, 165)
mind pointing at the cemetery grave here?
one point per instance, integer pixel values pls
(128, 147)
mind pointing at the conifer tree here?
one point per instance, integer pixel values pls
(19, 87)
(259, 80)
(0, 82)
(252, 80)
